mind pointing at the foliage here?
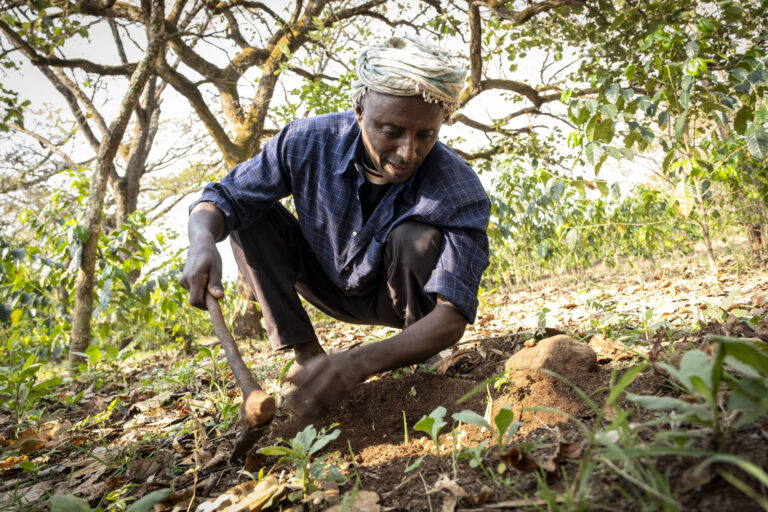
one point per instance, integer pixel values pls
(70, 503)
(19, 390)
(701, 379)
(503, 429)
(299, 452)
(432, 424)
(544, 223)
(689, 84)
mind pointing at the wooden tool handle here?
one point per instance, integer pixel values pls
(242, 374)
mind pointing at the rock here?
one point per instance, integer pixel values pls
(560, 354)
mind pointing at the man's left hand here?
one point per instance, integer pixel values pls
(324, 381)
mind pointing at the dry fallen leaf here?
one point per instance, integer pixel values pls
(245, 497)
(456, 359)
(564, 451)
(29, 441)
(11, 462)
(519, 460)
(362, 501)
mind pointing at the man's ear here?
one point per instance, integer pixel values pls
(359, 112)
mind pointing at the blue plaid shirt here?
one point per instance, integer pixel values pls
(317, 161)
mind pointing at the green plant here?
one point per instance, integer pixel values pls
(432, 424)
(299, 452)
(701, 378)
(19, 390)
(503, 428)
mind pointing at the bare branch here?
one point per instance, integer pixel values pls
(188, 89)
(118, 40)
(53, 148)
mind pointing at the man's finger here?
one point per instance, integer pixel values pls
(214, 283)
(197, 294)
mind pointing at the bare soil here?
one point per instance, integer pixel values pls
(154, 439)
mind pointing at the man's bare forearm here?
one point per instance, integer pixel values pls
(438, 330)
(206, 224)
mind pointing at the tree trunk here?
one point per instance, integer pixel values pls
(86, 277)
(756, 241)
(126, 188)
(247, 321)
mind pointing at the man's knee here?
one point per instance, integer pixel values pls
(415, 243)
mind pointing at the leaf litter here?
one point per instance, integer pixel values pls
(133, 438)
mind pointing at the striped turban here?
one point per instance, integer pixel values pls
(409, 66)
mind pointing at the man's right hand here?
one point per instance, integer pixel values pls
(202, 271)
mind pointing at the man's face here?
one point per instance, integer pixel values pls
(398, 133)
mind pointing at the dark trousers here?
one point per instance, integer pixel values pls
(276, 260)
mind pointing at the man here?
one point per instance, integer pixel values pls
(391, 226)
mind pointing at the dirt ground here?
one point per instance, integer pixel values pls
(153, 439)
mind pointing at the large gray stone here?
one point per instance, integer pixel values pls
(560, 354)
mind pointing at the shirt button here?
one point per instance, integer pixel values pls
(347, 288)
(346, 268)
(354, 233)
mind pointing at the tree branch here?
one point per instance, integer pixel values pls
(188, 89)
(475, 47)
(523, 15)
(54, 148)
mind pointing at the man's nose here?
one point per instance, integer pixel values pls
(406, 149)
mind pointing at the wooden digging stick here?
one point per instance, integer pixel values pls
(258, 407)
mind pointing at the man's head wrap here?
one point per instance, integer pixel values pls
(409, 66)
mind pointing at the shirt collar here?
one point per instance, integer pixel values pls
(352, 155)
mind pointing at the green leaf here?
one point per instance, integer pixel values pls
(609, 111)
(69, 503)
(744, 115)
(94, 354)
(655, 403)
(602, 186)
(626, 379)
(739, 74)
(433, 423)
(686, 86)
(81, 233)
(680, 124)
(594, 152)
(415, 465)
(591, 129)
(750, 352)
(471, 418)
(324, 440)
(148, 502)
(757, 141)
(611, 92)
(758, 77)
(663, 118)
(47, 384)
(279, 451)
(692, 48)
(504, 420)
(16, 316)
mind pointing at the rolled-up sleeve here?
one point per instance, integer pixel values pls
(251, 187)
(463, 259)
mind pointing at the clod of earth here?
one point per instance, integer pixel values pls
(559, 354)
